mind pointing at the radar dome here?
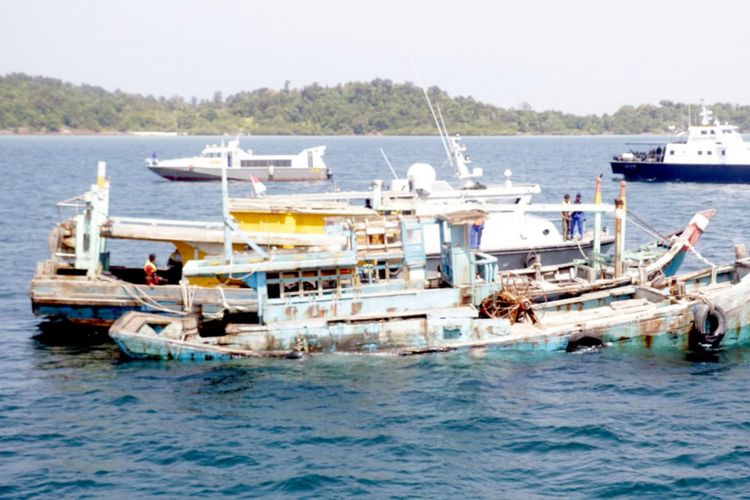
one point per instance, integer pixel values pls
(421, 176)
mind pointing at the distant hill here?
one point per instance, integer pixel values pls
(34, 104)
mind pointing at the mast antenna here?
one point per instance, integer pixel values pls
(388, 163)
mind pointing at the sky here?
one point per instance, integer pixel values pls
(576, 56)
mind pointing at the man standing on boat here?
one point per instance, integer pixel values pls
(565, 215)
(577, 219)
(174, 266)
(475, 236)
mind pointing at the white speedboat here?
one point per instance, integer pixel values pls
(242, 165)
(709, 152)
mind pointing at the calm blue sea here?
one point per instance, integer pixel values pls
(76, 420)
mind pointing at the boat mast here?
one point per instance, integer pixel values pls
(443, 136)
(230, 226)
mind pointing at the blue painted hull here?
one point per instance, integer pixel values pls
(92, 316)
(673, 172)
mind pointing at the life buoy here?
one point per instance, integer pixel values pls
(710, 324)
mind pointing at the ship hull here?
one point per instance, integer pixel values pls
(681, 172)
(264, 174)
(513, 259)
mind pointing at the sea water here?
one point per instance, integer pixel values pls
(78, 420)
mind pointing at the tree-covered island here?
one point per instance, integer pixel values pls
(34, 104)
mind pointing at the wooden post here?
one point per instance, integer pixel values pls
(739, 251)
(623, 186)
(101, 176)
(619, 226)
(596, 256)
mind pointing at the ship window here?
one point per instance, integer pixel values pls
(266, 163)
(703, 132)
(725, 131)
(709, 152)
(713, 132)
(723, 153)
(700, 152)
(671, 151)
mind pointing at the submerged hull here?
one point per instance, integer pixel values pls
(684, 172)
(264, 174)
(631, 316)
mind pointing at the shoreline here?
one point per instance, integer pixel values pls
(92, 133)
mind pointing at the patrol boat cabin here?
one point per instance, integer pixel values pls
(709, 152)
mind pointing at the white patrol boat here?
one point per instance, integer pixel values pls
(709, 152)
(308, 165)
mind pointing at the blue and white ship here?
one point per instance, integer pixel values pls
(709, 152)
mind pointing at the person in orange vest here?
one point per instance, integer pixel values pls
(150, 269)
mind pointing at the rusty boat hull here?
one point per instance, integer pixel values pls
(712, 313)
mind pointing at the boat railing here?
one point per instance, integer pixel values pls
(173, 223)
(486, 266)
(77, 203)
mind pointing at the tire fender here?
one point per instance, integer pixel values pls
(710, 324)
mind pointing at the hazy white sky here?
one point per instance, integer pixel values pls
(580, 56)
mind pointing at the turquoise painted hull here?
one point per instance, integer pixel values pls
(644, 318)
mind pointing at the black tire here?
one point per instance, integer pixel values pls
(710, 324)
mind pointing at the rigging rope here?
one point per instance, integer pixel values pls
(645, 226)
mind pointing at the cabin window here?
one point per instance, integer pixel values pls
(703, 132)
(723, 153)
(300, 283)
(725, 131)
(266, 163)
(713, 132)
(700, 153)
(709, 153)
(671, 151)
